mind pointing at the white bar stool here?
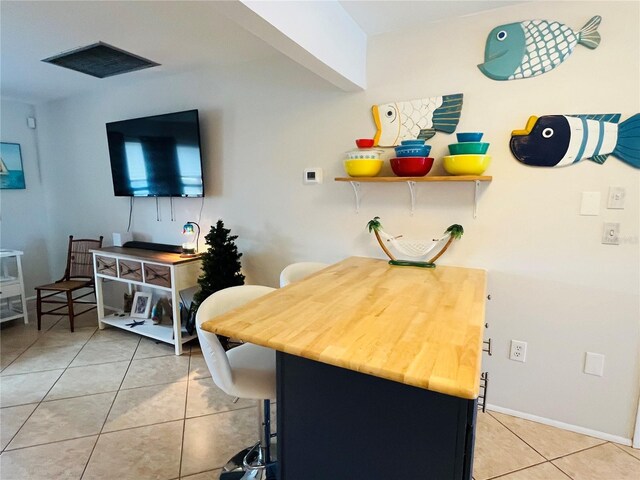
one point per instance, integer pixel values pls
(298, 271)
(247, 371)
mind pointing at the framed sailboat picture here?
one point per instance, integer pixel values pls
(11, 171)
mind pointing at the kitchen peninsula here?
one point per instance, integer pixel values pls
(378, 369)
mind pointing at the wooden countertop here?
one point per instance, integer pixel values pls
(149, 255)
(418, 326)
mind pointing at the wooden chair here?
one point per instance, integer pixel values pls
(78, 275)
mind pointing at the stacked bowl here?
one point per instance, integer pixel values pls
(468, 156)
(365, 161)
(412, 159)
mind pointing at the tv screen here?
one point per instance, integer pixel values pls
(156, 156)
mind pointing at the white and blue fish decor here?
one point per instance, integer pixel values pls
(562, 140)
(531, 48)
(416, 119)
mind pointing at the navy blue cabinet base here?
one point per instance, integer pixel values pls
(338, 424)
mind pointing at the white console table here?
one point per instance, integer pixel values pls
(13, 303)
(164, 273)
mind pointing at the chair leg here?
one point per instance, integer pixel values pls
(70, 307)
(39, 308)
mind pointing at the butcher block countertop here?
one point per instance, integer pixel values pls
(418, 326)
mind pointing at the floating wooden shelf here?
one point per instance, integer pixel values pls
(411, 182)
(442, 178)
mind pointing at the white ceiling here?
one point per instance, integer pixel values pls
(376, 17)
(180, 35)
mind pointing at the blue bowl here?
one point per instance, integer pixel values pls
(413, 151)
(416, 142)
(469, 136)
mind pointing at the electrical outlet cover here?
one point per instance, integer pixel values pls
(518, 351)
(611, 233)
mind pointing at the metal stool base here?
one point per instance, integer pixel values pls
(234, 469)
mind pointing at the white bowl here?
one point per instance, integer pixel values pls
(364, 154)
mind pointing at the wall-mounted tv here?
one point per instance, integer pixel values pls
(156, 156)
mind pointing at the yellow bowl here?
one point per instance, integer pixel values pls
(363, 167)
(466, 164)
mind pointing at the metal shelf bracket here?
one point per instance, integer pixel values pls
(412, 191)
(356, 192)
(411, 182)
(475, 199)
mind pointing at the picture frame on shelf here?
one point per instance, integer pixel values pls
(141, 305)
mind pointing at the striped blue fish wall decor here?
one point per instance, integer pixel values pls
(534, 47)
(563, 140)
(415, 119)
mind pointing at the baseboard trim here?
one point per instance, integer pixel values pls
(564, 426)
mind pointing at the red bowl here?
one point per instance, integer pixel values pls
(364, 142)
(411, 166)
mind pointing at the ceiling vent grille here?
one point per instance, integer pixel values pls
(100, 60)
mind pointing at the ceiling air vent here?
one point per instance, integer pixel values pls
(100, 60)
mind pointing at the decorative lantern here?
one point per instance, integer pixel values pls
(190, 245)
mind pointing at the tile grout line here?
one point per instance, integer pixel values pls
(506, 474)
(510, 472)
(628, 453)
(93, 449)
(520, 438)
(117, 391)
(31, 344)
(547, 460)
(48, 391)
(48, 443)
(603, 442)
(569, 454)
(184, 418)
(561, 471)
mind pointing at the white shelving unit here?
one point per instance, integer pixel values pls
(162, 333)
(13, 303)
(164, 273)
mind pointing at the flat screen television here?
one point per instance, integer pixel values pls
(156, 156)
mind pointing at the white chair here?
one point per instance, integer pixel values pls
(247, 371)
(298, 271)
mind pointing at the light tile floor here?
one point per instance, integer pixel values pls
(111, 405)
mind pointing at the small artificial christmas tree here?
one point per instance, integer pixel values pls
(220, 263)
(220, 269)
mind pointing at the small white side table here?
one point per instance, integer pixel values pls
(13, 303)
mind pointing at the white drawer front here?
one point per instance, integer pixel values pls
(12, 290)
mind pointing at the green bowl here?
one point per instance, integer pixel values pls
(468, 148)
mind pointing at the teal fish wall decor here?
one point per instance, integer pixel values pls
(415, 119)
(534, 47)
(562, 140)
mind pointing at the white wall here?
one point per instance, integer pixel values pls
(23, 224)
(553, 284)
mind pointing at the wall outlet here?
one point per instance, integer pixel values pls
(611, 233)
(518, 351)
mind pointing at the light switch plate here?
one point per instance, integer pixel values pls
(611, 233)
(594, 364)
(590, 204)
(616, 198)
